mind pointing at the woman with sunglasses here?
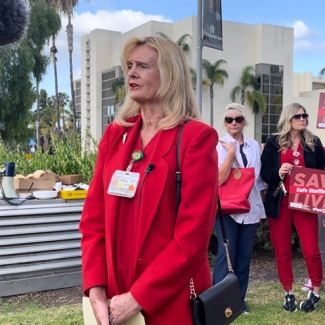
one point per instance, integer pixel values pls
(232, 148)
(293, 145)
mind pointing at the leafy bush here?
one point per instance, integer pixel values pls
(263, 240)
(66, 156)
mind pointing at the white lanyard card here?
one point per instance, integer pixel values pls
(123, 183)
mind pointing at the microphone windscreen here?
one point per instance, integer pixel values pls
(13, 20)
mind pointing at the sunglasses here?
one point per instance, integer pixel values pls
(299, 116)
(238, 119)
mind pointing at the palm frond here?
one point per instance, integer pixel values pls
(163, 35)
(256, 101)
(117, 84)
(183, 38)
(234, 93)
(322, 72)
(193, 77)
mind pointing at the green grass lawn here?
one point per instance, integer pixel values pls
(264, 302)
(33, 314)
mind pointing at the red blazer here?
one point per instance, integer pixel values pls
(169, 250)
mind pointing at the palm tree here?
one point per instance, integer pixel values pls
(118, 89)
(248, 89)
(48, 23)
(41, 63)
(193, 77)
(322, 72)
(185, 48)
(47, 118)
(53, 50)
(214, 76)
(64, 113)
(65, 7)
(181, 41)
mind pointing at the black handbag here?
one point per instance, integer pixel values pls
(219, 305)
(222, 303)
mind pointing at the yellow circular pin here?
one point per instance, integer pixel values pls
(137, 155)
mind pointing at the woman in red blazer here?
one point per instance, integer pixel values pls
(137, 254)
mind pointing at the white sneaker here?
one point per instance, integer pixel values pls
(307, 286)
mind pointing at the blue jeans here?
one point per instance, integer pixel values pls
(241, 243)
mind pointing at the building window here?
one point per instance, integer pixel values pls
(271, 77)
(108, 98)
(77, 101)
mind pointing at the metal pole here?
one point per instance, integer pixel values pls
(37, 135)
(199, 56)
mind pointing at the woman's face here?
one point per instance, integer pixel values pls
(298, 124)
(234, 128)
(143, 74)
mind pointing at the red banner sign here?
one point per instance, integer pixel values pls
(320, 124)
(307, 190)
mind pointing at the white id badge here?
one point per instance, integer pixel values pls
(123, 184)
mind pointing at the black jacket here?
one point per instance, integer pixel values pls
(270, 160)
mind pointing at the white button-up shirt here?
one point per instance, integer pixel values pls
(252, 151)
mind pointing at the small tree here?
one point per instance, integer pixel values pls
(214, 76)
(322, 72)
(118, 89)
(181, 41)
(44, 21)
(248, 89)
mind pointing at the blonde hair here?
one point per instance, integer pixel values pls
(175, 92)
(284, 127)
(240, 109)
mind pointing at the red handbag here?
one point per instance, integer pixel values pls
(234, 193)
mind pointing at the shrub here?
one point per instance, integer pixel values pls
(263, 240)
(66, 156)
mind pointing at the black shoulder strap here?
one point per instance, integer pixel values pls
(178, 167)
(179, 182)
(222, 223)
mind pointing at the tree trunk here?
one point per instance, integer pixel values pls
(70, 49)
(45, 142)
(242, 96)
(57, 104)
(211, 105)
(38, 115)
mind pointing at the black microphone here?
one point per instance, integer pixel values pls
(13, 20)
(150, 168)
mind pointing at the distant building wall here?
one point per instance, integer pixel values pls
(255, 45)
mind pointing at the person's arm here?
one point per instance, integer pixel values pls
(123, 307)
(320, 153)
(100, 304)
(92, 225)
(92, 228)
(269, 169)
(225, 167)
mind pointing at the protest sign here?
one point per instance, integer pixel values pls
(307, 190)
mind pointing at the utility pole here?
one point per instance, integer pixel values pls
(199, 56)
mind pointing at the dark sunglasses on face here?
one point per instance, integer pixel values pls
(299, 116)
(238, 119)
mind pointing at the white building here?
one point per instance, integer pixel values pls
(268, 48)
